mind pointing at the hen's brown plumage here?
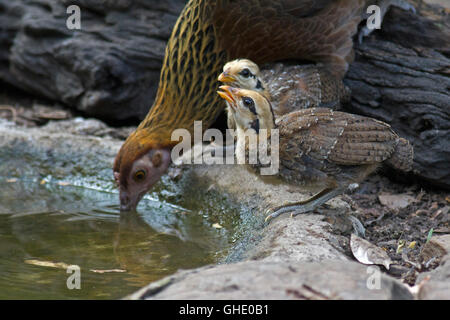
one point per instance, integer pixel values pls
(209, 33)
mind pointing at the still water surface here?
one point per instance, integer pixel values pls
(45, 226)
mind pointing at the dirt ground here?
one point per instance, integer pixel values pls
(399, 218)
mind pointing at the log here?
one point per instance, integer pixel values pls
(110, 68)
(401, 76)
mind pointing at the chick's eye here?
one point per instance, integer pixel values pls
(245, 73)
(139, 175)
(248, 102)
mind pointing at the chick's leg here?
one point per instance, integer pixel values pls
(306, 205)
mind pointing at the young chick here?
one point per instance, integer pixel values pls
(288, 87)
(318, 147)
(242, 73)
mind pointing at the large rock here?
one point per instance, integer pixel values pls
(435, 285)
(273, 281)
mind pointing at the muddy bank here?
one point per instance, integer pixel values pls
(306, 257)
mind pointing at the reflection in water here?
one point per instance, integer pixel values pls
(79, 226)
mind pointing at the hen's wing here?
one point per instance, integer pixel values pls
(264, 31)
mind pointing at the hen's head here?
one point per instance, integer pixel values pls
(139, 164)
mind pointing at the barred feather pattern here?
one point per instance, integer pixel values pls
(296, 87)
(320, 147)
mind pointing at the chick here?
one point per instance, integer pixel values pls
(242, 73)
(288, 87)
(318, 148)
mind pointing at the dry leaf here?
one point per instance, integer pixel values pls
(11, 180)
(217, 226)
(367, 253)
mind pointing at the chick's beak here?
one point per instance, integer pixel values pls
(228, 93)
(225, 77)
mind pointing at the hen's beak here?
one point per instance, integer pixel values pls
(126, 203)
(228, 93)
(129, 202)
(226, 78)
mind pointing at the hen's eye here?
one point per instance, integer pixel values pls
(245, 73)
(139, 175)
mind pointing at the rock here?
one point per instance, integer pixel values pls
(435, 285)
(306, 237)
(271, 280)
(437, 247)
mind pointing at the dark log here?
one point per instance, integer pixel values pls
(401, 75)
(110, 68)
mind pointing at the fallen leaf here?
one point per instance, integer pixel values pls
(396, 201)
(412, 245)
(217, 226)
(63, 183)
(42, 182)
(367, 253)
(11, 180)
